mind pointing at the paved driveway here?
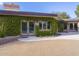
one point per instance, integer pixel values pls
(64, 36)
(66, 44)
(41, 48)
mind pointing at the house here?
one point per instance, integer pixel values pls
(13, 23)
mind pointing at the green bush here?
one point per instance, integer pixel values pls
(42, 33)
(2, 34)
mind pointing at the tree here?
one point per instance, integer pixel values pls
(77, 11)
(63, 15)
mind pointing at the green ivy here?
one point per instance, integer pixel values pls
(60, 27)
(53, 31)
(12, 25)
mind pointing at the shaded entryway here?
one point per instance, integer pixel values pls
(71, 26)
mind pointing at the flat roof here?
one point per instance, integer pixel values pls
(24, 13)
(73, 20)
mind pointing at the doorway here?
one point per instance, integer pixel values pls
(28, 28)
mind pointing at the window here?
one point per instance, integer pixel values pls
(40, 25)
(44, 25)
(48, 25)
(71, 26)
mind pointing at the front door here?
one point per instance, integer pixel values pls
(24, 27)
(28, 28)
(31, 27)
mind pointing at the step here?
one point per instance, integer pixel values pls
(25, 36)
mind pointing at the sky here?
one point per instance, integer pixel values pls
(48, 7)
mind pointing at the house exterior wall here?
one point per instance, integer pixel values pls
(11, 25)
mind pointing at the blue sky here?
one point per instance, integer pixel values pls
(49, 7)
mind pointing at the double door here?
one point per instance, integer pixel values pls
(28, 28)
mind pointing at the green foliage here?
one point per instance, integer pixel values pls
(60, 27)
(77, 7)
(63, 15)
(52, 31)
(2, 27)
(77, 11)
(54, 24)
(2, 34)
(42, 33)
(11, 25)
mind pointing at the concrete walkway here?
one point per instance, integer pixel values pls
(64, 36)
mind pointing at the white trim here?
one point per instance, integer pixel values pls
(21, 25)
(78, 26)
(42, 22)
(73, 26)
(28, 28)
(28, 32)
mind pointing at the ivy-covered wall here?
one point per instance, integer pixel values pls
(2, 27)
(60, 26)
(10, 25)
(53, 31)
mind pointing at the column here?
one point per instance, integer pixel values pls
(27, 27)
(78, 26)
(73, 27)
(68, 27)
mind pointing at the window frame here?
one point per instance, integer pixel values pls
(42, 28)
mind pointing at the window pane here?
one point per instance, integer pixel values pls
(24, 27)
(71, 26)
(40, 25)
(44, 25)
(48, 25)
